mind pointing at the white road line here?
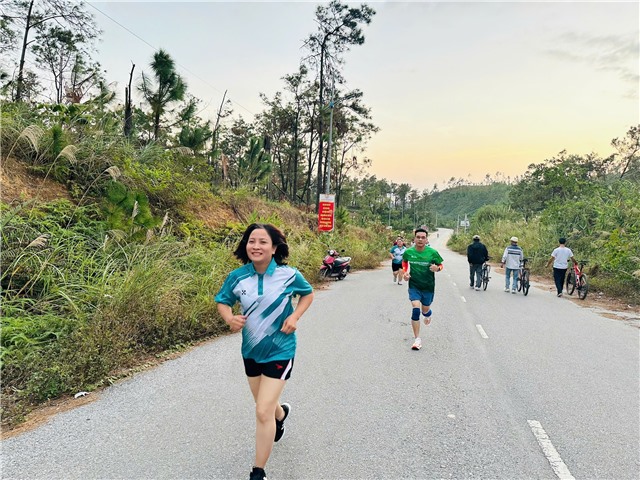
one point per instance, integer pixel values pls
(549, 451)
(482, 332)
(464, 299)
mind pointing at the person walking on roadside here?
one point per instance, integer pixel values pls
(264, 286)
(419, 264)
(396, 253)
(512, 258)
(477, 254)
(560, 258)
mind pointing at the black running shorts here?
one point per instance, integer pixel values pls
(396, 266)
(280, 369)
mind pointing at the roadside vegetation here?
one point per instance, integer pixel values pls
(83, 303)
(124, 265)
(593, 202)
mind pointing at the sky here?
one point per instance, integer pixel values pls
(458, 89)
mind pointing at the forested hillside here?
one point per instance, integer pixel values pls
(465, 200)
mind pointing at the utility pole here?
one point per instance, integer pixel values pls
(327, 174)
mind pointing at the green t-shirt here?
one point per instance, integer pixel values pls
(419, 262)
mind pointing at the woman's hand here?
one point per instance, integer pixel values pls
(237, 322)
(290, 325)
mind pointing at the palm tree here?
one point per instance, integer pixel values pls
(195, 137)
(254, 167)
(166, 87)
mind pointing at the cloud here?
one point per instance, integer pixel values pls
(608, 53)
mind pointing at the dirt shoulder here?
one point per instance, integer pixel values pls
(602, 304)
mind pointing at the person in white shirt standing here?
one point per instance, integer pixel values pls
(560, 258)
(512, 258)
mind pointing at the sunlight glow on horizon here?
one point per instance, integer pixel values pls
(457, 89)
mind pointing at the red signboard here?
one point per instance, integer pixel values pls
(325, 212)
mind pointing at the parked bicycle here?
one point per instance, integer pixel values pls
(486, 270)
(523, 277)
(578, 279)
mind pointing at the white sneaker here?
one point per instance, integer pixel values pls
(513, 291)
(506, 289)
(417, 344)
(477, 289)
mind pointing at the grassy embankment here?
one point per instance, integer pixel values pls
(82, 306)
(117, 261)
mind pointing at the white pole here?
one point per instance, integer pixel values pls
(327, 175)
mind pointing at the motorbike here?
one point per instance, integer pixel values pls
(335, 266)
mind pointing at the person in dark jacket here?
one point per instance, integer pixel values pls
(477, 254)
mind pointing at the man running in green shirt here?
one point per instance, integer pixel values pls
(419, 264)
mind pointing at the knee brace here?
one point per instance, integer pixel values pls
(428, 314)
(415, 314)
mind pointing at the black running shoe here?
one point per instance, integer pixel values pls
(280, 423)
(257, 474)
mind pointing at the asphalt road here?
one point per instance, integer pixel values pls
(543, 389)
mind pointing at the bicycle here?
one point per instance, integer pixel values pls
(523, 278)
(578, 279)
(486, 270)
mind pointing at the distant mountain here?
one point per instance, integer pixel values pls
(466, 199)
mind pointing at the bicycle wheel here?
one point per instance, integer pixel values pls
(525, 283)
(485, 277)
(571, 283)
(583, 287)
(519, 282)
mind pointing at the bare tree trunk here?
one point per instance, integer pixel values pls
(214, 141)
(156, 124)
(20, 82)
(215, 128)
(128, 110)
(60, 81)
(310, 166)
